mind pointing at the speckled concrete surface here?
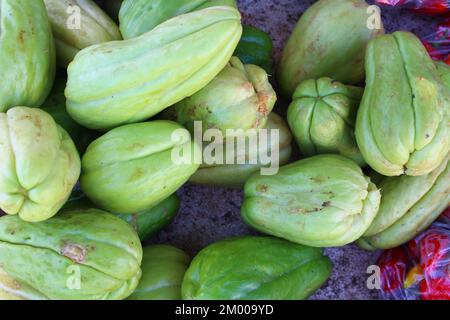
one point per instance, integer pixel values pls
(209, 214)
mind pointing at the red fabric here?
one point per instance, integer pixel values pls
(422, 6)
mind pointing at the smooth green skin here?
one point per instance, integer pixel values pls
(27, 54)
(130, 168)
(255, 268)
(40, 164)
(146, 223)
(149, 222)
(11, 289)
(403, 123)
(443, 70)
(105, 250)
(408, 206)
(255, 48)
(329, 40)
(151, 72)
(235, 175)
(239, 97)
(95, 27)
(322, 118)
(55, 105)
(140, 16)
(163, 269)
(322, 201)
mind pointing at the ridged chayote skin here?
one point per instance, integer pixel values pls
(95, 26)
(11, 289)
(403, 123)
(84, 254)
(39, 164)
(137, 78)
(255, 268)
(132, 168)
(140, 16)
(27, 54)
(408, 206)
(322, 118)
(329, 40)
(255, 47)
(163, 269)
(235, 175)
(322, 201)
(239, 97)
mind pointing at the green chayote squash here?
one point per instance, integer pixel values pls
(149, 222)
(83, 254)
(322, 118)
(146, 223)
(55, 105)
(255, 48)
(39, 164)
(151, 72)
(322, 201)
(408, 206)
(235, 175)
(27, 54)
(83, 26)
(329, 40)
(11, 289)
(239, 97)
(132, 168)
(403, 121)
(443, 70)
(255, 268)
(163, 269)
(140, 16)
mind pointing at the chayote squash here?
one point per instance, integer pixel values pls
(84, 254)
(132, 168)
(255, 268)
(11, 289)
(235, 175)
(322, 201)
(55, 105)
(329, 40)
(443, 70)
(40, 164)
(239, 97)
(78, 24)
(322, 118)
(408, 206)
(27, 54)
(163, 269)
(140, 16)
(146, 223)
(151, 72)
(255, 48)
(403, 121)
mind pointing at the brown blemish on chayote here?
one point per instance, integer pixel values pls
(75, 252)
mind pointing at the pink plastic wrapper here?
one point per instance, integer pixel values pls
(422, 6)
(421, 268)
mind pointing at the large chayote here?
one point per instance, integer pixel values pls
(255, 268)
(84, 254)
(408, 206)
(239, 97)
(443, 70)
(255, 47)
(134, 167)
(137, 78)
(55, 105)
(329, 40)
(163, 269)
(78, 24)
(39, 164)
(403, 123)
(140, 16)
(27, 53)
(236, 174)
(12, 289)
(322, 201)
(322, 118)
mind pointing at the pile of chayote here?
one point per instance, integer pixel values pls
(96, 98)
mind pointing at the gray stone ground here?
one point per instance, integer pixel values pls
(209, 214)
